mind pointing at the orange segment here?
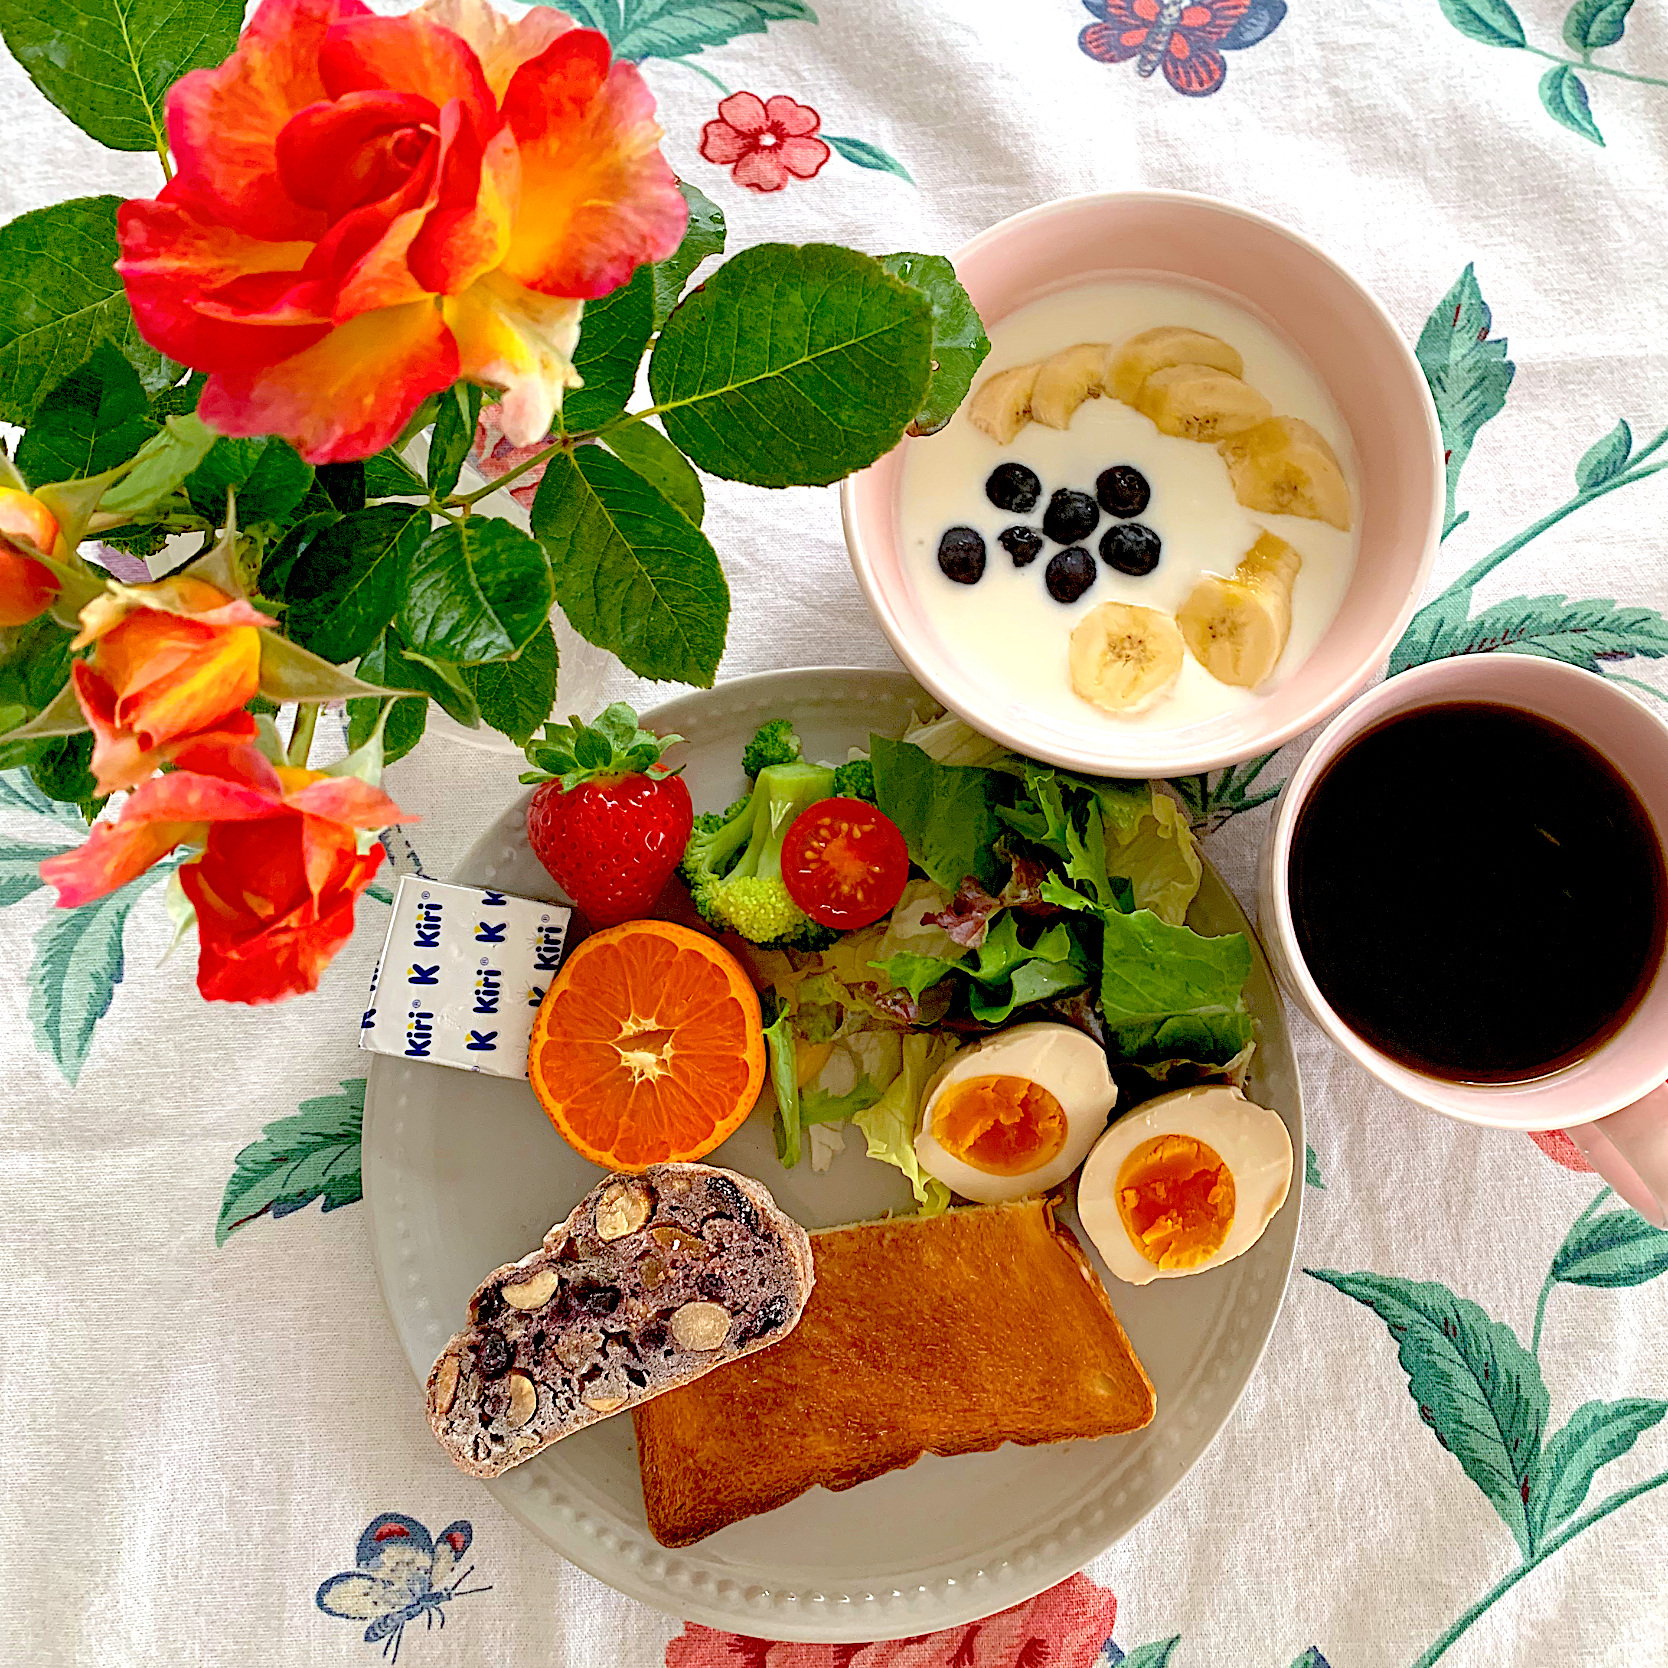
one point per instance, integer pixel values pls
(648, 1048)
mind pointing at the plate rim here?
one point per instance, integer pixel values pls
(812, 1617)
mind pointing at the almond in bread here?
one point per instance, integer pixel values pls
(941, 1335)
(651, 1281)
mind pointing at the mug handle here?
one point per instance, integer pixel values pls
(1630, 1150)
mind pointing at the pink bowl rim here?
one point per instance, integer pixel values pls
(1186, 759)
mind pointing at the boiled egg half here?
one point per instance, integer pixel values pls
(1184, 1183)
(1016, 1113)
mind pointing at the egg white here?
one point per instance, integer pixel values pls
(1252, 1141)
(1062, 1060)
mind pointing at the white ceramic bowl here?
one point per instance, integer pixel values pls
(1358, 353)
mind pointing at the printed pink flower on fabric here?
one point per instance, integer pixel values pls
(768, 141)
(1066, 1627)
(495, 454)
(1561, 1150)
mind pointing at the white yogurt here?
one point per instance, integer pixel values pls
(1007, 625)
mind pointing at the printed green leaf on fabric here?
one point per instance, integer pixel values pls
(658, 29)
(1311, 1170)
(19, 793)
(1592, 634)
(1592, 24)
(268, 475)
(1564, 95)
(959, 342)
(946, 813)
(792, 366)
(1597, 1433)
(515, 696)
(20, 866)
(345, 585)
(1154, 1654)
(312, 1155)
(475, 592)
(1492, 22)
(612, 337)
(453, 435)
(108, 64)
(1474, 1384)
(78, 963)
(1468, 372)
(1605, 458)
(634, 575)
(866, 155)
(59, 298)
(1619, 1248)
(703, 237)
(97, 417)
(654, 457)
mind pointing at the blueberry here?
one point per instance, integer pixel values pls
(1069, 574)
(1123, 490)
(1131, 547)
(1013, 487)
(493, 1355)
(961, 556)
(1071, 516)
(1024, 544)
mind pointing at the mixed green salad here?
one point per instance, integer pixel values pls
(1028, 891)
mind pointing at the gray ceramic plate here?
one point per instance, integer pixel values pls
(463, 1173)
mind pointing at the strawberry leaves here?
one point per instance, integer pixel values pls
(578, 752)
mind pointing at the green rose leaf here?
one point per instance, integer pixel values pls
(1605, 458)
(108, 64)
(515, 696)
(1592, 24)
(1564, 94)
(612, 337)
(866, 155)
(454, 434)
(313, 1155)
(1597, 1433)
(400, 734)
(61, 769)
(283, 556)
(390, 662)
(269, 476)
(1476, 1386)
(959, 342)
(1619, 1248)
(59, 298)
(647, 451)
(97, 417)
(34, 663)
(1492, 22)
(1468, 373)
(476, 590)
(634, 575)
(388, 475)
(703, 237)
(164, 462)
(792, 366)
(345, 585)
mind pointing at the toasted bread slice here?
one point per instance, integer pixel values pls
(941, 1335)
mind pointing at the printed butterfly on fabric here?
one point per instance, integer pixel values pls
(402, 1573)
(1188, 37)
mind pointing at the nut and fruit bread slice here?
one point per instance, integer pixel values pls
(942, 1335)
(652, 1281)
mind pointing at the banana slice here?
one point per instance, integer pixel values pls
(1156, 350)
(1199, 402)
(1285, 467)
(1124, 658)
(1065, 380)
(1237, 628)
(1002, 405)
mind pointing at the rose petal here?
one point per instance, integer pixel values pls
(597, 197)
(338, 154)
(789, 117)
(762, 170)
(410, 52)
(347, 396)
(745, 112)
(114, 854)
(803, 157)
(120, 760)
(502, 46)
(521, 341)
(724, 144)
(348, 801)
(227, 751)
(468, 232)
(26, 589)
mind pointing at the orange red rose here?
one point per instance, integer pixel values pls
(26, 587)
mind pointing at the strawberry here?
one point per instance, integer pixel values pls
(608, 820)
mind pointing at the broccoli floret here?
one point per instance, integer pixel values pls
(773, 744)
(856, 780)
(733, 865)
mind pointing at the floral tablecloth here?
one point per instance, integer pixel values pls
(1456, 1447)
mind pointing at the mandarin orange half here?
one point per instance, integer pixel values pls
(648, 1048)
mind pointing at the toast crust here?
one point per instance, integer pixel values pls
(941, 1335)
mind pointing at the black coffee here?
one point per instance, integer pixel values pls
(1478, 892)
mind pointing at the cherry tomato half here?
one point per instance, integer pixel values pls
(844, 863)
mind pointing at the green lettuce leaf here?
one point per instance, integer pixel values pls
(889, 1125)
(1167, 992)
(1004, 973)
(784, 1085)
(946, 813)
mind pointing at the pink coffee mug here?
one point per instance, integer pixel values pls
(1613, 1103)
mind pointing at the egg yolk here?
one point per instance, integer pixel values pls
(1176, 1198)
(1005, 1126)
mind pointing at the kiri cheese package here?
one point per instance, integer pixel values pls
(461, 976)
